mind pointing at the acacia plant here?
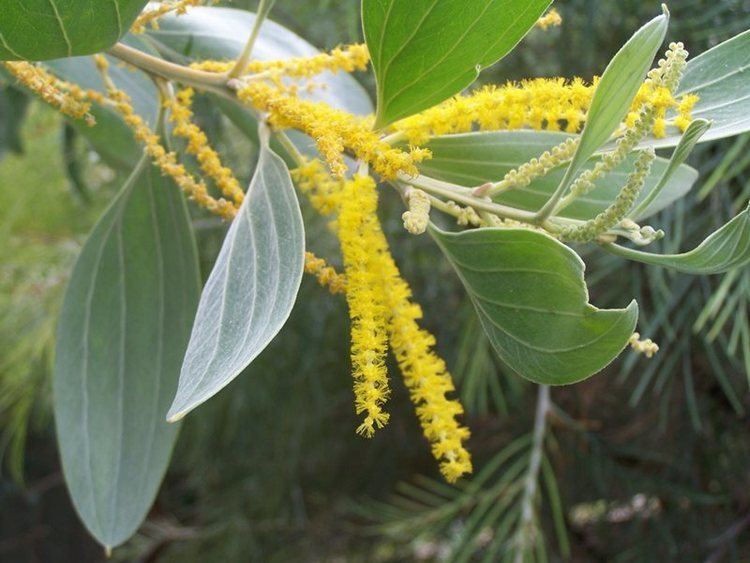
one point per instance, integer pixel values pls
(508, 180)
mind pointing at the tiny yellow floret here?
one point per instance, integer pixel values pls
(550, 19)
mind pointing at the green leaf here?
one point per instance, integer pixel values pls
(614, 94)
(530, 295)
(719, 78)
(251, 290)
(122, 333)
(726, 249)
(472, 159)
(425, 51)
(221, 33)
(39, 30)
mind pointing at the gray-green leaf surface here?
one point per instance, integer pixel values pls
(425, 51)
(251, 290)
(726, 249)
(122, 333)
(529, 292)
(48, 29)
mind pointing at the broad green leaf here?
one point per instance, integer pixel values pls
(221, 33)
(719, 77)
(48, 29)
(425, 51)
(531, 298)
(123, 330)
(614, 94)
(251, 290)
(472, 159)
(726, 249)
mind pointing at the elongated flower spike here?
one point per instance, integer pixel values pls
(359, 232)
(348, 58)
(181, 115)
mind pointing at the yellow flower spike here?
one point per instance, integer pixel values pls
(551, 104)
(326, 275)
(359, 231)
(348, 58)
(210, 162)
(69, 101)
(425, 373)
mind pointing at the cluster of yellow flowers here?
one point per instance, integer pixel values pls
(181, 115)
(383, 313)
(69, 99)
(552, 104)
(333, 131)
(550, 19)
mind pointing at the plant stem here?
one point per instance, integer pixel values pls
(462, 195)
(548, 208)
(535, 463)
(171, 71)
(239, 67)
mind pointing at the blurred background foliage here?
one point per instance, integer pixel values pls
(647, 462)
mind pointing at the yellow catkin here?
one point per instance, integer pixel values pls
(151, 17)
(347, 58)
(550, 19)
(358, 233)
(333, 131)
(71, 101)
(166, 161)
(553, 104)
(326, 275)
(197, 145)
(426, 376)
